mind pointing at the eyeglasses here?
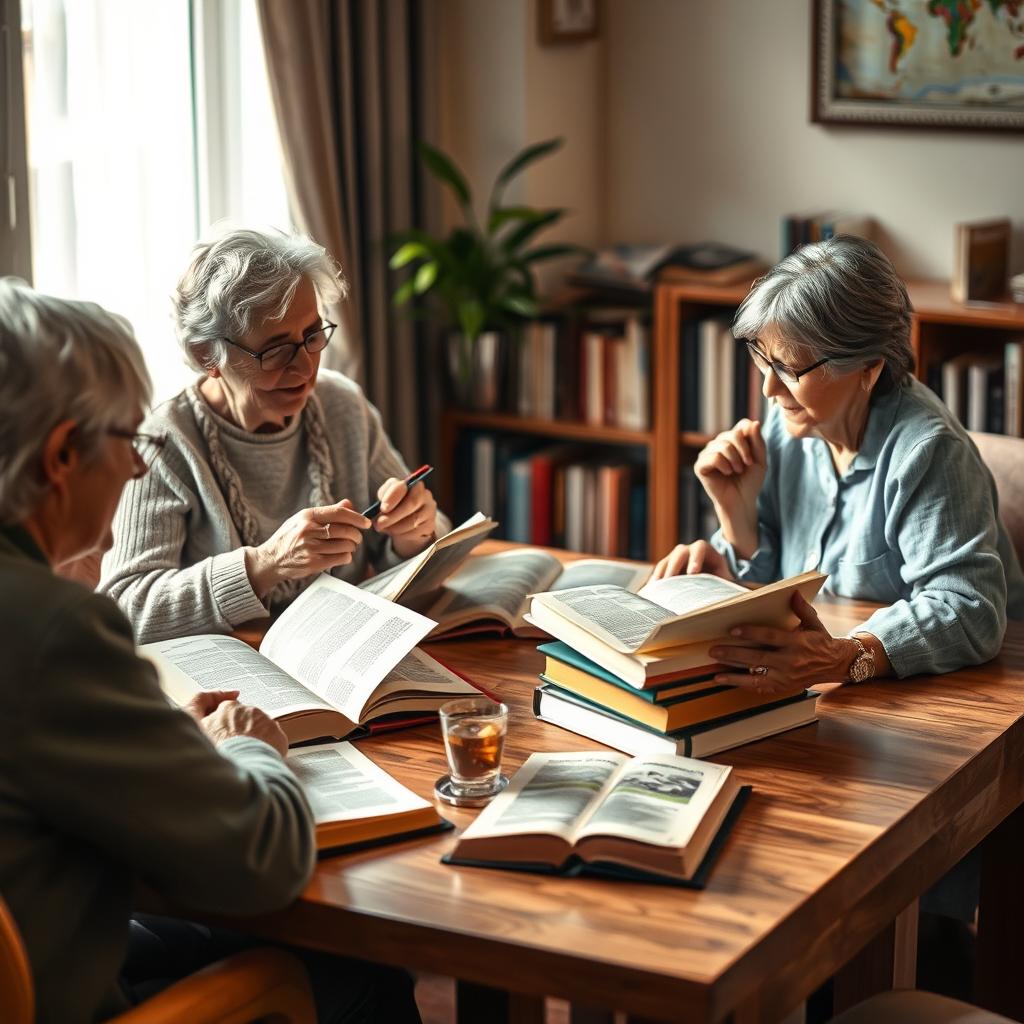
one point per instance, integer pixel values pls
(277, 357)
(785, 373)
(144, 444)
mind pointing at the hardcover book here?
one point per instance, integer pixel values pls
(981, 260)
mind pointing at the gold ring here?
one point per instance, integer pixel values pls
(759, 670)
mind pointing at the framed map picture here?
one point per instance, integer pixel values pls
(919, 63)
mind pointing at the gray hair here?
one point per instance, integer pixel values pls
(240, 280)
(839, 299)
(59, 360)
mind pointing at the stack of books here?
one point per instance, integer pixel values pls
(634, 671)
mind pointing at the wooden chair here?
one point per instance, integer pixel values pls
(266, 985)
(1004, 457)
(911, 1007)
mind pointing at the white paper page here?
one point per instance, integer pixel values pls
(589, 572)
(342, 784)
(659, 800)
(212, 662)
(549, 793)
(681, 594)
(340, 642)
(420, 673)
(501, 582)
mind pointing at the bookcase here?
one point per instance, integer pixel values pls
(940, 330)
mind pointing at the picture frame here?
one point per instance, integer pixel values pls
(567, 21)
(903, 64)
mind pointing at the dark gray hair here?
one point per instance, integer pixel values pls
(241, 279)
(839, 299)
(59, 360)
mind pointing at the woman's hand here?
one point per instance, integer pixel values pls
(688, 559)
(731, 469)
(206, 702)
(231, 719)
(311, 541)
(793, 659)
(407, 516)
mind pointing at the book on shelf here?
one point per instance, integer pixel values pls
(981, 260)
(671, 703)
(803, 228)
(653, 817)
(355, 802)
(491, 593)
(578, 715)
(337, 662)
(983, 391)
(666, 613)
(985, 394)
(1013, 383)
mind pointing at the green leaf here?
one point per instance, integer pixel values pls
(407, 253)
(520, 305)
(521, 160)
(404, 293)
(525, 232)
(503, 214)
(550, 252)
(425, 277)
(471, 317)
(444, 169)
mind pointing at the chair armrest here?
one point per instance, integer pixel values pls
(245, 987)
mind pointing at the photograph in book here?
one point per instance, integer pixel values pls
(336, 660)
(355, 801)
(655, 815)
(491, 593)
(669, 612)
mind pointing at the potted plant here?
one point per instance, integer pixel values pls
(481, 276)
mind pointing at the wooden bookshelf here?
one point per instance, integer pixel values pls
(940, 328)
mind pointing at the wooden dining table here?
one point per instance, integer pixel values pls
(850, 820)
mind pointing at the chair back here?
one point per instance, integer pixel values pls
(17, 998)
(1004, 457)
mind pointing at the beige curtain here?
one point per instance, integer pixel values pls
(341, 75)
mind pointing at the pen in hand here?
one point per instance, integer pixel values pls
(410, 481)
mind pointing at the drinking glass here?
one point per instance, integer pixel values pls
(474, 730)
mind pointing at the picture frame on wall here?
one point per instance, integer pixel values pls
(567, 21)
(890, 63)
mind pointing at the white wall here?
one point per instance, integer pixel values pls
(709, 137)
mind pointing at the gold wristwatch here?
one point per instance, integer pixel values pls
(863, 665)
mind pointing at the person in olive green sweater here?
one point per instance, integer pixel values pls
(102, 782)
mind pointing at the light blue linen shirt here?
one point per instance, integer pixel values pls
(912, 524)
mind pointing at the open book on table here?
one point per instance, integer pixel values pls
(356, 803)
(647, 634)
(336, 659)
(653, 817)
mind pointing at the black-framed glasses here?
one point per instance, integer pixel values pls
(144, 444)
(277, 357)
(785, 373)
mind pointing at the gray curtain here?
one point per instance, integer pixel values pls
(342, 75)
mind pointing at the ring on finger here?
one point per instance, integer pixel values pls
(759, 670)
(327, 531)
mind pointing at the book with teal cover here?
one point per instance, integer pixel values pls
(563, 652)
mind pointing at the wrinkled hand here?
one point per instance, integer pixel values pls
(688, 559)
(311, 541)
(407, 516)
(231, 719)
(731, 469)
(205, 703)
(795, 658)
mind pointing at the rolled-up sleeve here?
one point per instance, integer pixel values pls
(941, 519)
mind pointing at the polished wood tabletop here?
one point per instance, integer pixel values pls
(850, 820)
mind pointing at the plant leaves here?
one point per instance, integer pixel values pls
(550, 252)
(407, 253)
(471, 317)
(526, 231)
(520, 305)
(503, 214)
(444, 169)
(521, 160)
(425, 277)
(404, 293)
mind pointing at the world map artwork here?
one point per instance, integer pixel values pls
(942, 53)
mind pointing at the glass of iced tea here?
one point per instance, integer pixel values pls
(474, 731)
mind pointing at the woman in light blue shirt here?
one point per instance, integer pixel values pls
(859, 471)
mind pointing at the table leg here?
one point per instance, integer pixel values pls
(888, 961)
(998, 980)
(474, 1003)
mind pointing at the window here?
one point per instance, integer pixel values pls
(146, 123)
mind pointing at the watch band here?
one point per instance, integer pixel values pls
(863, 665)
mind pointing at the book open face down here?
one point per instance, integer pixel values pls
(654, 815)
(336, 659)
(666, 614)
(356, 802)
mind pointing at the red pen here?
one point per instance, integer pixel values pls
(418, 476)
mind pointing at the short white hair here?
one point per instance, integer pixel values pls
(59, 360)
(241, 279)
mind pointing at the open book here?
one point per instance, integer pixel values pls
(663, 619)
(336, 659)
(354, 802)
(643, 816)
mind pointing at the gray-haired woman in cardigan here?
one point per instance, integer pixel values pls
(267, 458)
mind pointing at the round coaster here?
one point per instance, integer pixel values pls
(443, 791)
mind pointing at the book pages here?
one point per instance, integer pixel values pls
(682, 594)
(588, 572)
(619, 618)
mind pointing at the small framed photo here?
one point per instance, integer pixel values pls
(911, 63)
(567, 21)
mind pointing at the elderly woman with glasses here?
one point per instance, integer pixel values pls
(860, 472)
(269, 458)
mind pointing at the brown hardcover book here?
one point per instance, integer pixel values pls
(981, 262)
(746, 270)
